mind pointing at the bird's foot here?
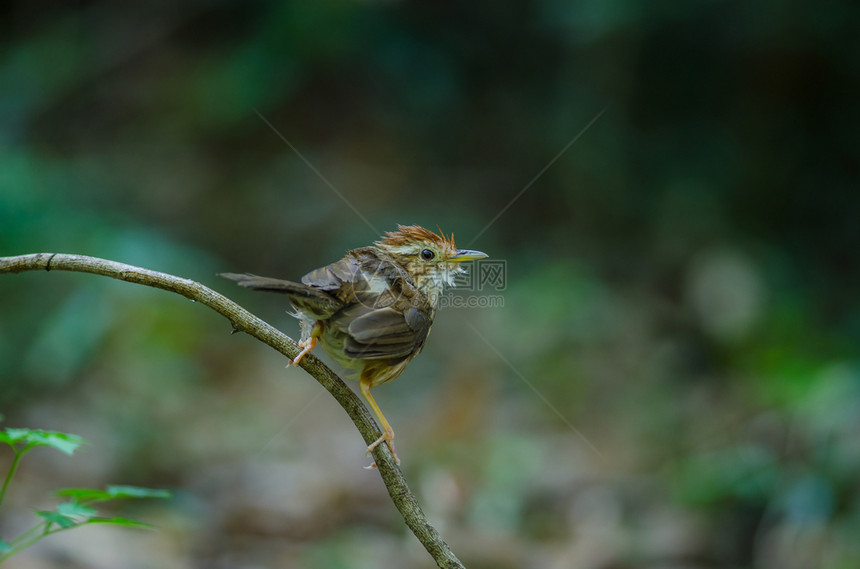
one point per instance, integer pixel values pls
(388, 438)
(306, 346)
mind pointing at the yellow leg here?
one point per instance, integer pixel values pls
(388, 432)
(308, 344)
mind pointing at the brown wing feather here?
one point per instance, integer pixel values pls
(384, 333)
(332, 277)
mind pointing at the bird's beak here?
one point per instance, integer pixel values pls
(466, 255)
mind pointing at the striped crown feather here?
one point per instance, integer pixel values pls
(407, 234)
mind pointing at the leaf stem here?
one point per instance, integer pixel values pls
(18, 545)
(13, 467)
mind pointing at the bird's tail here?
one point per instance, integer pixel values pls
(255, 282)
(306, 298)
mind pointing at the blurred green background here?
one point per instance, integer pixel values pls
(673, 380)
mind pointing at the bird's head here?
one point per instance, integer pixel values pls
(432, 260)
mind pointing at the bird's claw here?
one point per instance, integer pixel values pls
(306, 346)
(388, 438)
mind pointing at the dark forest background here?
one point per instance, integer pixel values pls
(673, 379)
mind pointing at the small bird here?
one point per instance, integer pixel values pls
(372, 310)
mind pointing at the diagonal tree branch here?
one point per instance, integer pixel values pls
(244, 321)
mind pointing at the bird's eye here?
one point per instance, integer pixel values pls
(427, 254)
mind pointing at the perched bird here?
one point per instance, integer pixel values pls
(373, 309)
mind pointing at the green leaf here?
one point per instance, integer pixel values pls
(4, 547)
(136, 492)
(68, 514)
(112, 493)
(64, 522)
(74, 509)
(13, 436)
(84, 494)
(63, 442)
(121, 522)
